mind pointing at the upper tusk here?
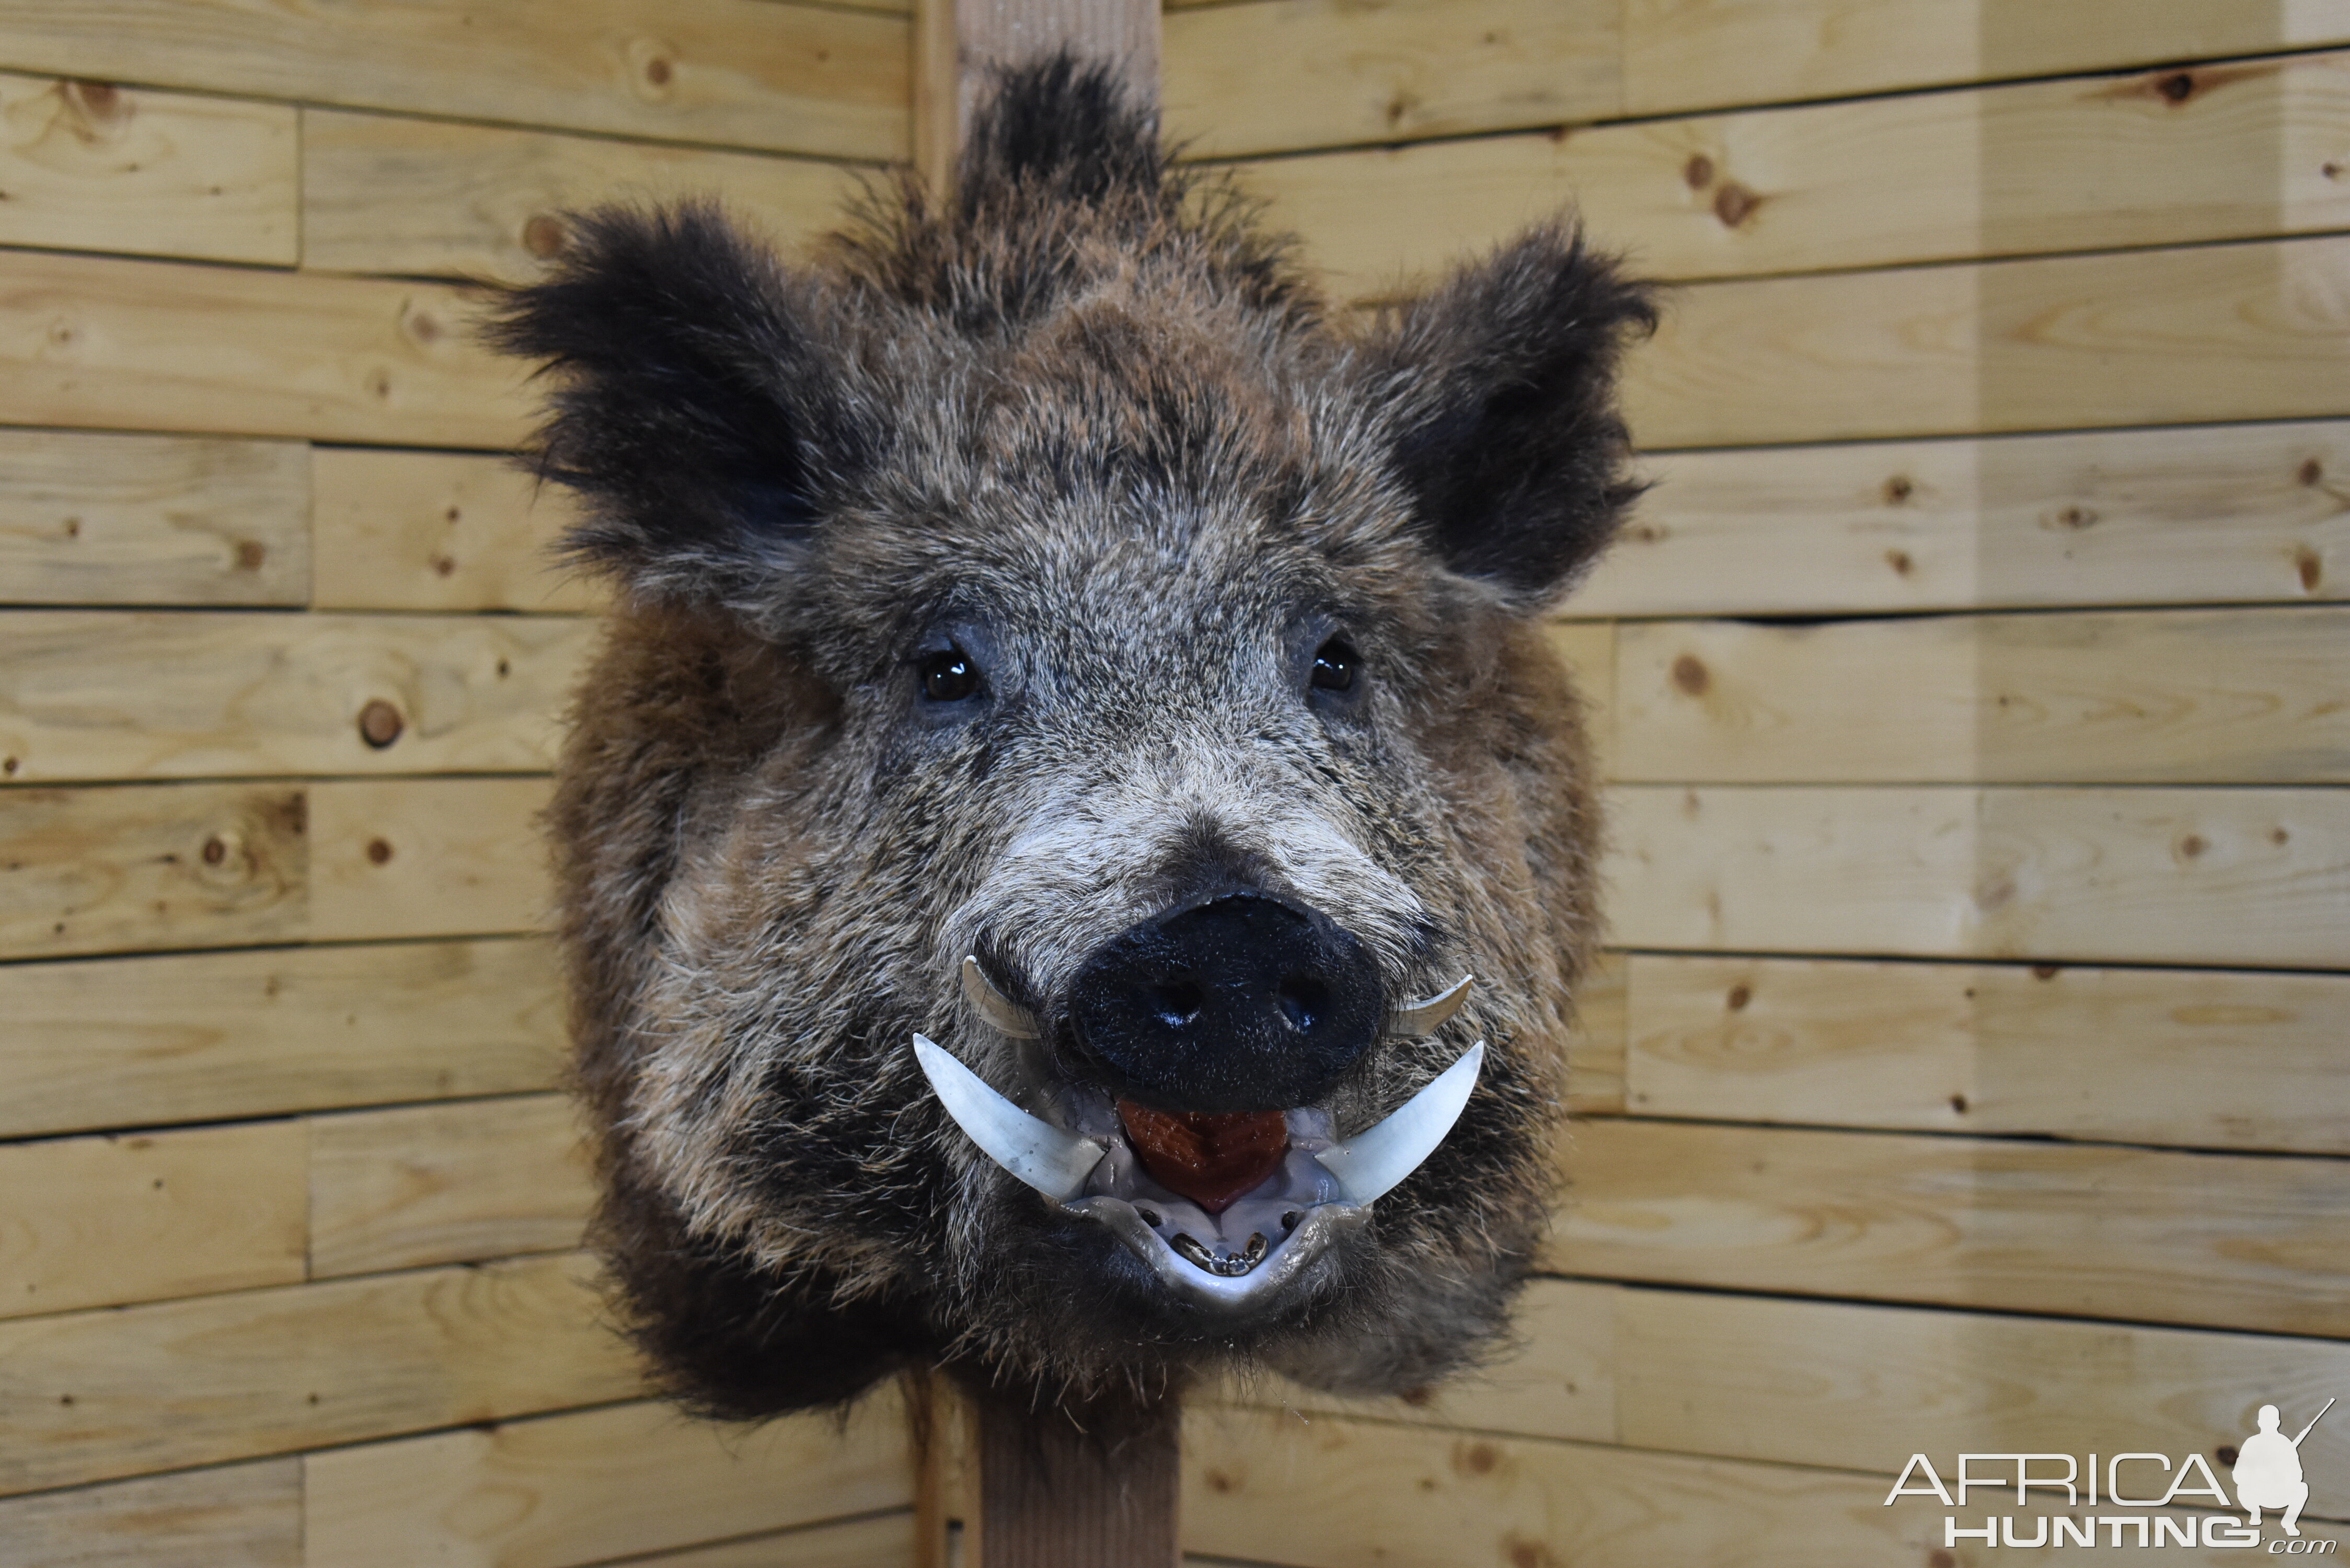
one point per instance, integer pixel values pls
(1371, 1162)
(1427, 1017)
(1007, 1016)
(1052, 1161)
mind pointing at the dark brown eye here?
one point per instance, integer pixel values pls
(949, 677)
(1334, 666)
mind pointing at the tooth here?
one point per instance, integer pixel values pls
(1426, 1017)
(1007, 1015)
(1055, 1163)
(1371, 1162)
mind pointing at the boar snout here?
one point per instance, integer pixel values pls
(1237, 1002)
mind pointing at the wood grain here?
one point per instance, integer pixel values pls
(2140, 697)
(424, 197)
(586, 1486)
(170, 346)
(1595, 1051)
(1279, 74)
(749, 73)
(2243, 512)
(1816, 1383)
(91, 167)
(2086, 1231)
(145, 1041)
(244, 1516)
(1589, 654)
(446, 1184)
(157, 520)
(95, 1394)
(2248, 876)
(440, 531)
(423, 857)
(101, 695)
(97, 1222)
(2196, 1058)
(2227, 332)
(173, 865)
(1693, 54)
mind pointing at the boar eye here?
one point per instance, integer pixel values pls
(949, 676)
(1334, 666)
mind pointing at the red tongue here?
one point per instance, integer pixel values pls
(1211, 1158)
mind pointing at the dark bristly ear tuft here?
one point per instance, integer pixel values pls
(1504, 385)
(1060, 130)
(697, 409)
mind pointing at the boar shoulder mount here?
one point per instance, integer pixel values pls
(1045, 631)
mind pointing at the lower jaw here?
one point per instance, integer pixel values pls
(1281, 1273)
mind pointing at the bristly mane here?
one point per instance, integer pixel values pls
(1063, 182)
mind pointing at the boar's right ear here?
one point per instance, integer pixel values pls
(696, 409)
(1502, 384)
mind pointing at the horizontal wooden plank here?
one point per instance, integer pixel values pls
(2247, 696)
(1588, 652)
(1697, 54)
(172, 866)
(160, 519)
(95, 1394)
(100, 694)
(1595, 1052)
(89, 166)
(96, 1221)
(753, 73)
(1275, 75)
(2259, 877)
(426, 198)
(241, 1516)
(1864, 1388)
(2201, 334)
(139, 1042)
(445, 1184)
(878, 1541)
(2029, 168)
(440, 531)
(589, 1486)
(2078, 1229)
(426, 857)
(2194, 1058)
(2242, 513)
(172, 346)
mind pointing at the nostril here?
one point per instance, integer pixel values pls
(1303, 1001)
(1176, 1003)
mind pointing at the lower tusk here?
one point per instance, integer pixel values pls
(1054, 1162)
(1370, 1163)
(1007, 1016)
(1427, 1017)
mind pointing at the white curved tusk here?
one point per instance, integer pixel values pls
(1055, 1163)
(1007, 1016)
(1370, 1163)
(1427, 1017)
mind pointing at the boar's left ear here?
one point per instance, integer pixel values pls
(697, 408)
(1504, 388)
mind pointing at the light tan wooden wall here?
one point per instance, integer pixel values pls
(1974, 1071)
(1971, 1072)
(289, 1205)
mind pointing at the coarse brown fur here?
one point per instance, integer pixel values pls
(1084, 423)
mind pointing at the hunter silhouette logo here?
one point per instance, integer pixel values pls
(2268, 1471)
(2137, 1497)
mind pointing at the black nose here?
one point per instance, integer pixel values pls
(1241, 1004)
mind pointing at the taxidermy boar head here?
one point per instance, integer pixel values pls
(1044, 632)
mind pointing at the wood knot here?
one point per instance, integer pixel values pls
(2225, 1453)
(659, 70)
(1219, 1482)
(1734, 203)
(2178, 87)
(1958, 1103)
(1531, 1554)
(2047, 970)
(215, 850)
(380, 723)
(2279, 837)
(1740, 995)
(2192, 846)
(1479, 1458)
(2310, 471)
(1690, 675)
(442, 566)
(378, 851)
(1938, 1558)
(96, 110)
(2074, 518)
(1899, 561)
(2309, 566)
(8, 765)
(1899, 489)
(545, 236)
(250, 554)
(1698, 171)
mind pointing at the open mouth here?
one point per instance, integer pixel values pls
(1225, 1210)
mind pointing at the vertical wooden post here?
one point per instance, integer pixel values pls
(956, 42)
